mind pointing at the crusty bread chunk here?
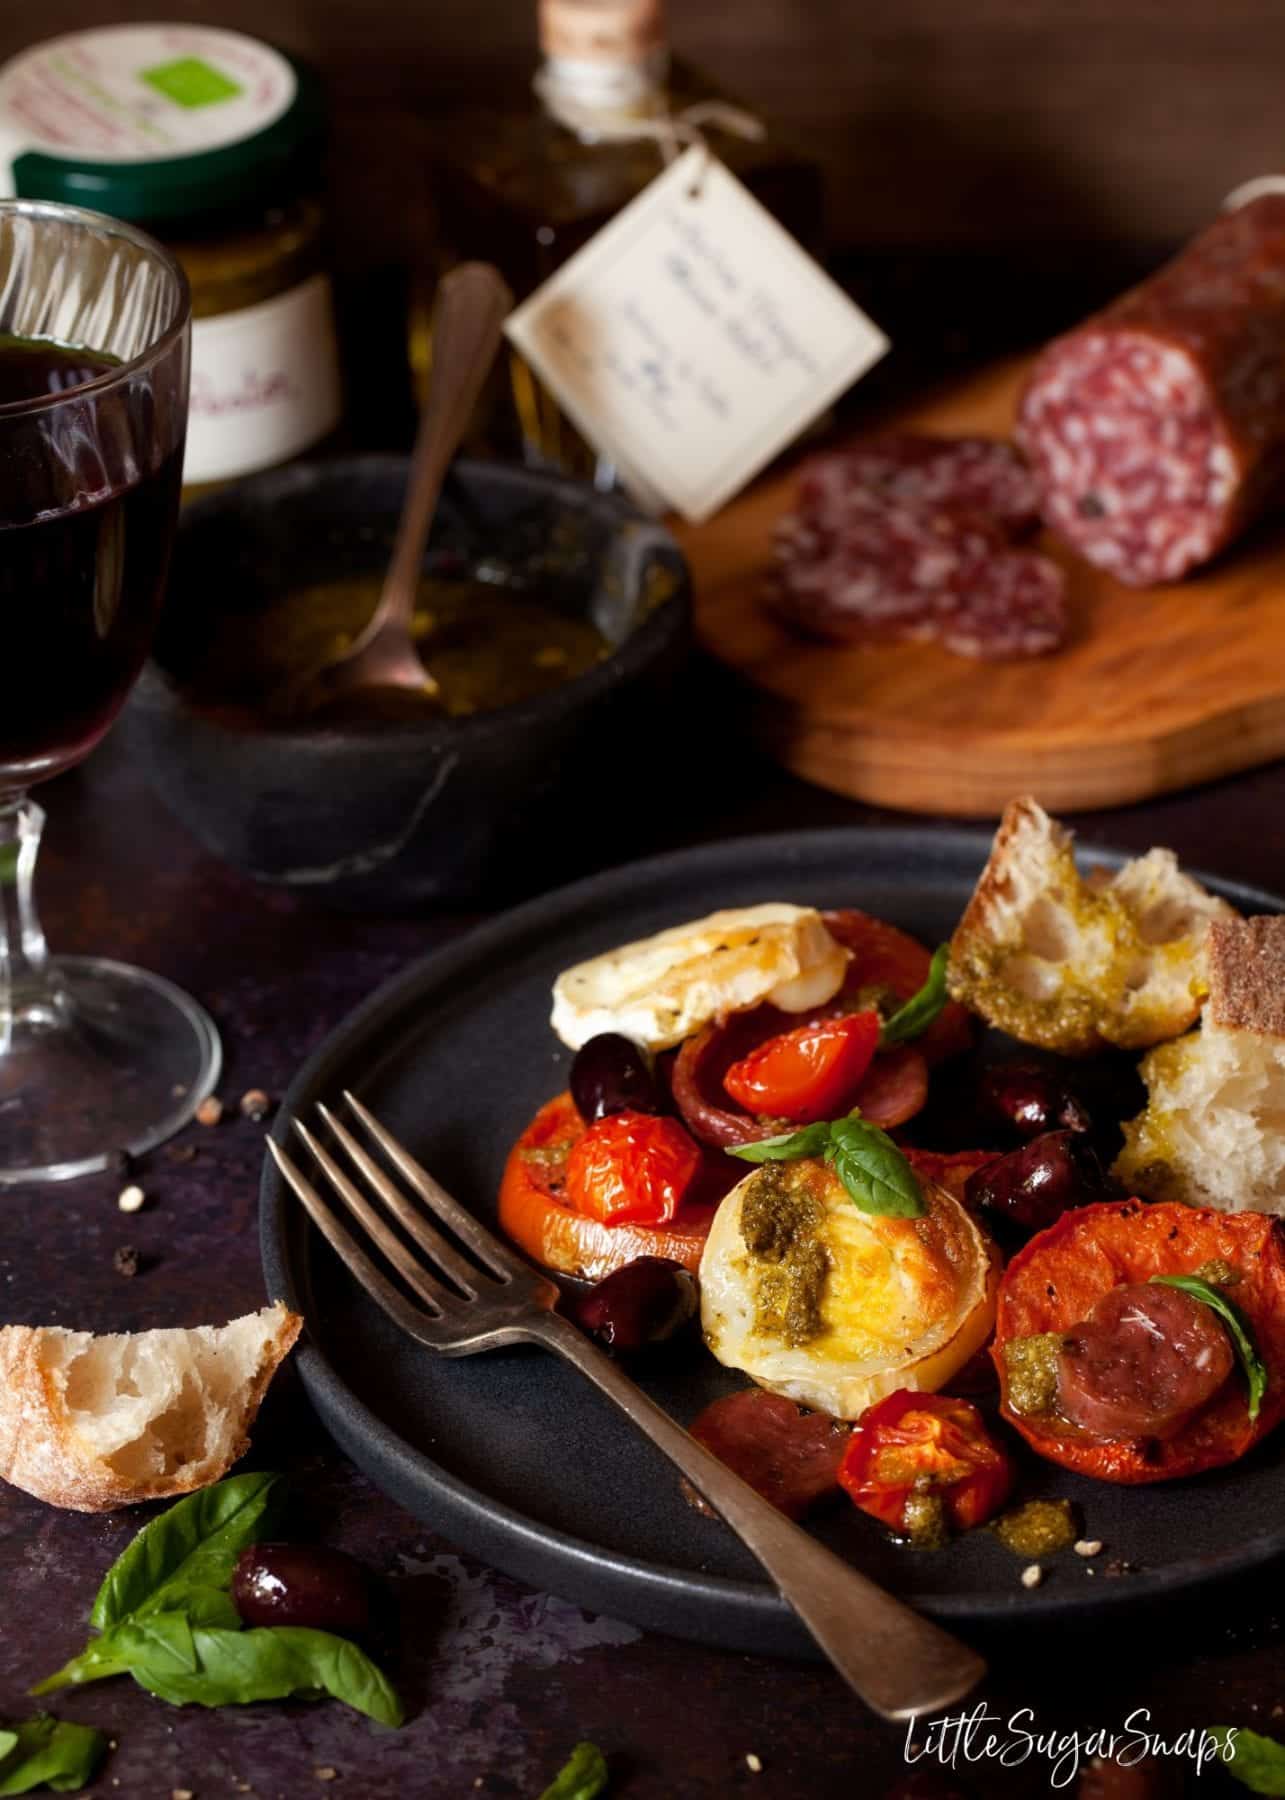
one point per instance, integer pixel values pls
(1074, 964)
(95, 1422)
(1213, 1131)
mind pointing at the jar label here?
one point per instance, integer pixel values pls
(265, 384)
(138, 94)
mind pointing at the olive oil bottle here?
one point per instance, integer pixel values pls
(525, 188)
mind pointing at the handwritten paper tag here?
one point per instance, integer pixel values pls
(693, 338)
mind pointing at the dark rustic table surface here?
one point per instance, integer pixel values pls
(500, 1681)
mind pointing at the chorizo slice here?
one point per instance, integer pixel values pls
(1142, 1363)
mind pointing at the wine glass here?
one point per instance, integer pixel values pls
(96, 1059)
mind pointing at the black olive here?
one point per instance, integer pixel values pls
(610, 1074)
(645, 1303)
(1035, 1185)
(1031, 1099)
(302, 1584)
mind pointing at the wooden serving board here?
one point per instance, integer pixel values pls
(1157, 688)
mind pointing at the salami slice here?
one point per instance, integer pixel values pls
(1157, 428)
(789, 1456)
(978, 475)
(907, 538)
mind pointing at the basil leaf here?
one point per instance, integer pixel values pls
(1237, 1330)
(877, 1176)
(195, 1544)
(49, 1752)
(789, 1146)
(922, 1009)
(583, 1778)
(1257, 1761)
(162, 1641)
(269, 1663)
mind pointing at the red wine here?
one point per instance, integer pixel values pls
(87, 510)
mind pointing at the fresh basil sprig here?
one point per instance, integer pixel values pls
(922, 1009)
(1237, 1330)
(870, 1166)
(165, 1615)
(52, 1753)
(1257, 1761)
(583, 1778)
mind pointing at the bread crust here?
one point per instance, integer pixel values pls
(42, 1453)
(1247, 974)
(1076, 964)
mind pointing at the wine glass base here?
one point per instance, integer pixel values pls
(118, 1063)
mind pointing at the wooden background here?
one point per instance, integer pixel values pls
(985, 123)
(995, 167)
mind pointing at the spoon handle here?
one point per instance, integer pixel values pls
(472, 303)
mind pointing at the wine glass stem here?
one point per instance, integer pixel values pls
(24, 958)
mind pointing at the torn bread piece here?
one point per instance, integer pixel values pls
(92, 1422)
(1074, 963)
(1213, 1131)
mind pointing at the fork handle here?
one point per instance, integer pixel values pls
(899, 1663)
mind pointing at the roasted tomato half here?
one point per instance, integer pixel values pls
(812, 1072)
(1054, 1296)
(632, 1166)
(926, 1465)
(537, 1213)
(888, 963)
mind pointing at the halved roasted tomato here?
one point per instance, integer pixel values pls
(925, 1462)
(1053, 1284)
(809, 1073)
(887, 959)
(536, 1212)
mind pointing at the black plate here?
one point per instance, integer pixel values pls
(513, 1455)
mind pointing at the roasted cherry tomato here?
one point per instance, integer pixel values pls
(537, 1215)
(808, 1074)
(912, 1449)
(632, 1166)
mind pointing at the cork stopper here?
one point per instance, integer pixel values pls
(615, 33)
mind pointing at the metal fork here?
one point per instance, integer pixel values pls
(897, 1662)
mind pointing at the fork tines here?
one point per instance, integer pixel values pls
(444, 1280)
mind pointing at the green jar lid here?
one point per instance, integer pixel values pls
(158, 123)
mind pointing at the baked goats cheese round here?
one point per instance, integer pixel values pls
(661, 989)
(834, 1307)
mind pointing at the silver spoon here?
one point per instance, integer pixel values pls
(472, 304)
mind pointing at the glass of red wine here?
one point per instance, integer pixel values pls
(98, 1061)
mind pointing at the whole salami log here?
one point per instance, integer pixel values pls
(1157, 428)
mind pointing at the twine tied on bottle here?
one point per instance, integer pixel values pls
(1254, 190)
(672, 132)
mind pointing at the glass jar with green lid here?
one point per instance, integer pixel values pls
(212, 142)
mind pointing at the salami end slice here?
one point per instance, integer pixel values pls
(1157, 428)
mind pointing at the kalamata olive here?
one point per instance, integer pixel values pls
(1035, 1185)
(302, 1584)
(1031, 1099)
(610, 1074)
(644, 1303)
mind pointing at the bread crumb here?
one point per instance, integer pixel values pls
(182, 1794)
(125, 1260)
(753, 1764)
(326, 1773)
(131, 1199)
(1088, 1546)
(1032, 1575)
(255, 1105)
(210, 1111)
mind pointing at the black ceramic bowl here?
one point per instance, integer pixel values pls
(447, 809)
